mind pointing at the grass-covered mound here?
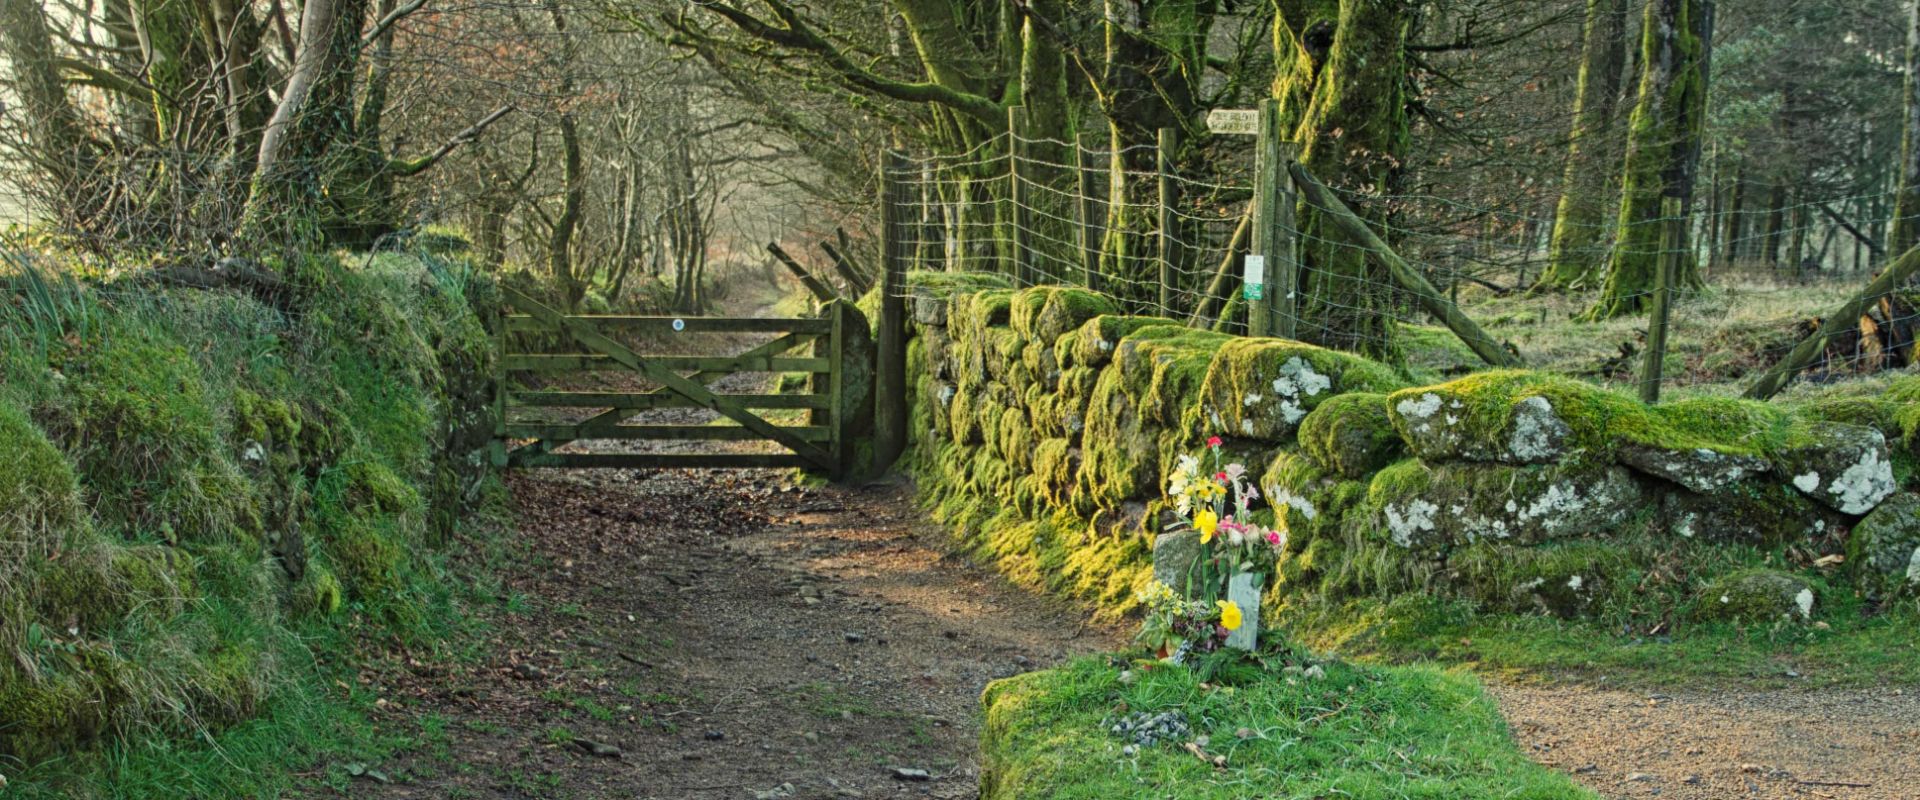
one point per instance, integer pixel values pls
(204, 488)
(1333, 730)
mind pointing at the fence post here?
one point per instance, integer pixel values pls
(1088, 225)
(1672, 235)
(890, 378)
(1020, 216)
(1261, 259)
(1165, 142)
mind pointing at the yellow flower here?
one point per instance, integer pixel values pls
(1206, 522)
(1230, 615)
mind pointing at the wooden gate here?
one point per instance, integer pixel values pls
(540, 339)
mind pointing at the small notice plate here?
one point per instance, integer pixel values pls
(1235, 121)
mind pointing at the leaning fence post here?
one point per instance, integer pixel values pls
(1262, 256)
(1164, 144)
(890, 379)
(1019, 217)
(1665, 267)
(1088, 225)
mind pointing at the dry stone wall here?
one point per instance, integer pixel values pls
(1044, 421)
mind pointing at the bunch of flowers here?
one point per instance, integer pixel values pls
(1217, 504)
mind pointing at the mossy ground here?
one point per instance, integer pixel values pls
(1357, 732)
(218, 489)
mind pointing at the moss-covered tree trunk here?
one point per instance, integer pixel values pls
(1155, 53)
(1663, 148)
(1905, 228)
(1341, 80)
(55, 138)
(308, 141)
(1578, 247)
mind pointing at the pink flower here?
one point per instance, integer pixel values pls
(1220, 476)
(1273, 538)
(1213, 441)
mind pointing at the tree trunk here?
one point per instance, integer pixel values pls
(1663, 148)
(1580, 220)
(1906, 208)
(57, 143)
(560, 244)
(291, 196)
(1341, 82)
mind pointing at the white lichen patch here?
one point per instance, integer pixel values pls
(1537, 431)
(1804, 602)
(1281, 496)
(1863, 485)
(1426, 406)
(1913, 567)
(1292, 412)
(1575, 583)
(1251, 399)
(1417, 518)
(946, 394)
(1103, 344)
(1808, 483)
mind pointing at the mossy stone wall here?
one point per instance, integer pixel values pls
(1045, 424)
(196, 481)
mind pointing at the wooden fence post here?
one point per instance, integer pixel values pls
(890, 378)
(818, 287)
(1088, 225)
(1666, 266)
(1165, 142)
(1262, 258)
(1283, 262)
(1019, 215)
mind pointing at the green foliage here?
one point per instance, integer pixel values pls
(1356, 732)
(205, 486)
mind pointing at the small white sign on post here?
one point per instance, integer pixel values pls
(1234, 121)
(1253, 282)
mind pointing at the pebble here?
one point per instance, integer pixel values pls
(1127, 678)
(911, 774)
(528, 672)
(1638, 777)
(855, 638)
(714, 736)
(775, 793)
(600, 749)
(1129, 750)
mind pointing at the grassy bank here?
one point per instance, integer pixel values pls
(221, 496)
(1353, 731)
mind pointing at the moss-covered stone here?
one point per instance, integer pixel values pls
(1121, 451)
(1756, 512)
(1563, 579)
(1095, 340)
(1757, 595)
(1351, 434)
(1043, 313)
(1263, 388)
(39, 493)
(1884, 548)
(1845, 467)
(1432, 507)
(1164, 369)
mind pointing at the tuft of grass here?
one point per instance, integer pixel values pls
(1357, 732)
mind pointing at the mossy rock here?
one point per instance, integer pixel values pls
(1569, 579)
(1433, 507)
(1262, 388)
(142, 426)
(54, 712)
(1756, 595)
(1756, 512)
(1884, 549)
(1351, 434)
(1043, 313)
(98, 588)
(1094, 341)
(1121, 451)
(1519, 417)
(1165, 368)
(1845, 467)
(39, 493)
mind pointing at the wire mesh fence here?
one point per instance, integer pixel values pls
(1563, 288)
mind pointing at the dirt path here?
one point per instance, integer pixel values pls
(1718, 745)
(731, 640)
